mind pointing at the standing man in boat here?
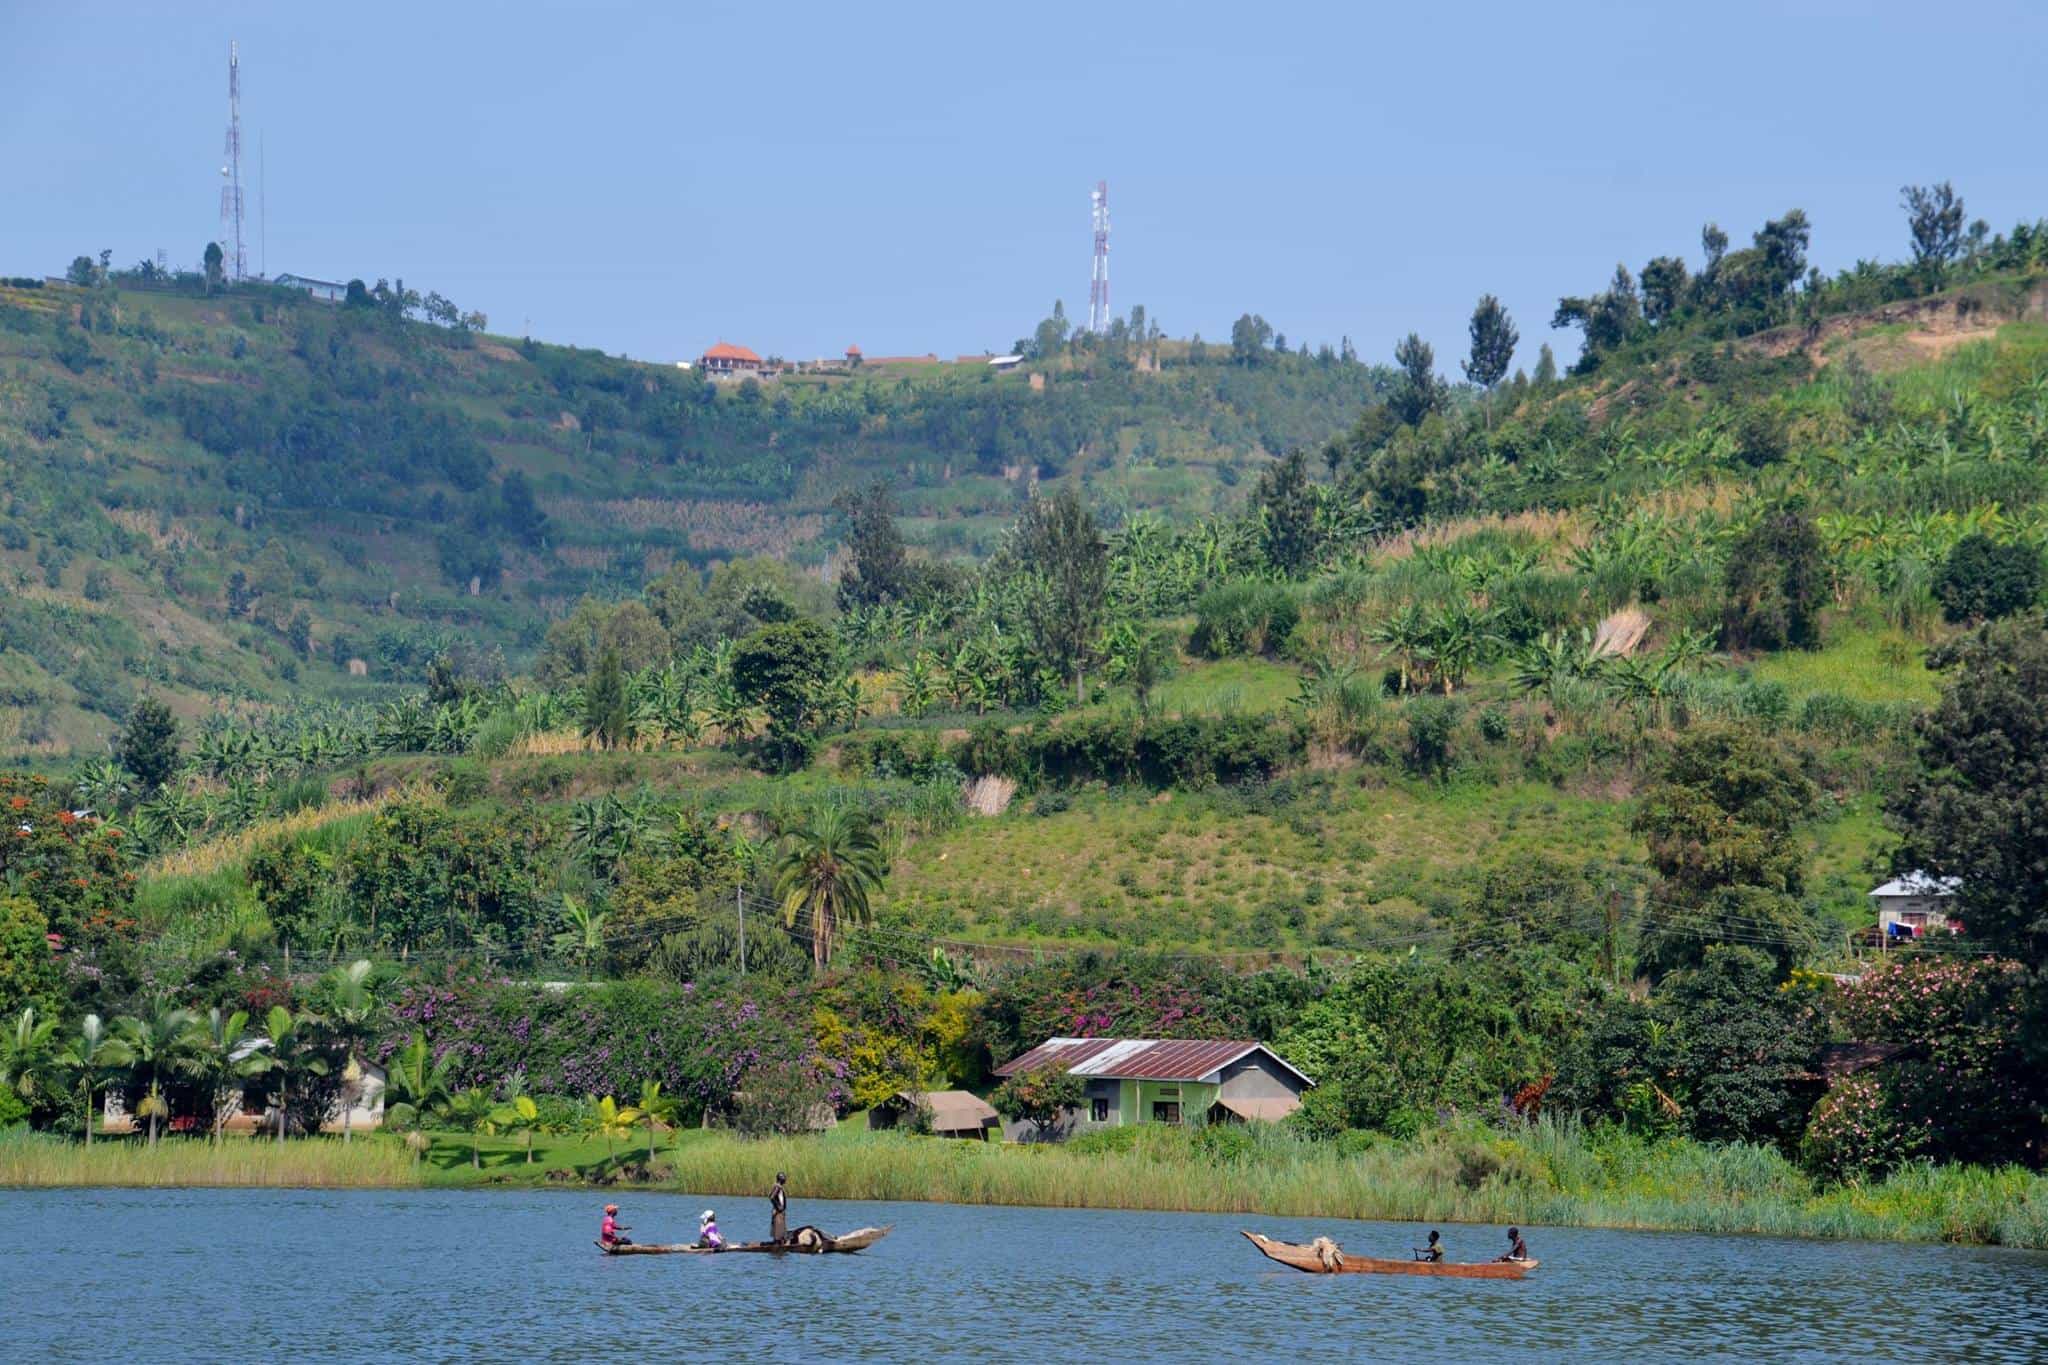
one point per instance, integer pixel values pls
(611, 1232)
(1518, 1250)
(1434, 1251)
(778, 1211)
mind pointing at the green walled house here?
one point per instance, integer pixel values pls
(1149, 1080)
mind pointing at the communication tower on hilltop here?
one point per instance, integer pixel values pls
(231, 174)
(1098, 280)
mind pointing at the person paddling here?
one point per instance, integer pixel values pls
(611, 1232)
(778, 1211)
(1518, 1250)
(707, 1231)
(1434, 1251)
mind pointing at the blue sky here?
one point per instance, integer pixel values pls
(911, 178)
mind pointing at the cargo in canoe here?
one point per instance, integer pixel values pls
(1310, 1259)
(804, 1241)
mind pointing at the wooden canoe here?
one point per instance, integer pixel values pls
(1305, 1258)
(859, 1240)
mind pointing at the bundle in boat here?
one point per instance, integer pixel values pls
(1325, 1257)
(803, 1241)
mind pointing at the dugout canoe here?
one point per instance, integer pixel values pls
(1306, 1258)
(798, 1245)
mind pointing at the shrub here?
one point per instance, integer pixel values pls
(1853, 1134)
(1983, 580)
(1431, 723)
(1244, 618)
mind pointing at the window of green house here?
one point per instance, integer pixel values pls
(1166, 1111)
(1098, 1109)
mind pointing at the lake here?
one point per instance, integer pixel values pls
(99, 1274)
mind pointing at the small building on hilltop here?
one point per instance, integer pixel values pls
(954, 1113)
(1916, 904)
(727, 361)
(1145, 1080)
(327, 291)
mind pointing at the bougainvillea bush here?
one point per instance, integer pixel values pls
(701, 1043)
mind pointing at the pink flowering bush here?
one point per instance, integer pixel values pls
(1854, 1135)
(1960, 1091)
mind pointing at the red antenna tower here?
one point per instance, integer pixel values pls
(231, 173)
(1098, 279)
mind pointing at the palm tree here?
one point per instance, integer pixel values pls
(519, 1114)
(27, 1059)
(583, 932)
(215, 1057)
(828, 872)
(419, 1081)
(1406, 632)
(656, 1109)
(155, 1044)
(351, 1004)
(97, 1055)
(294, 1052)
(473, 1111)
(608, 1120)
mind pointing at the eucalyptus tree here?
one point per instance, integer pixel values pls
(1493, 347)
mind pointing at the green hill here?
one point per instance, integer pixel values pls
(227, 497)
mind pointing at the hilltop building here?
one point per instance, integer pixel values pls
(727, 361)
(327, 291)
(1916, 904)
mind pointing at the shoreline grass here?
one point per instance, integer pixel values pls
(1545, 1175)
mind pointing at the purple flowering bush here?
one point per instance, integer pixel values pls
(700, 1043)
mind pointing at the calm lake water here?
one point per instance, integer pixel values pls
(96, 1275)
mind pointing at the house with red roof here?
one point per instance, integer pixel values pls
(1150, 1080)
(726, 360)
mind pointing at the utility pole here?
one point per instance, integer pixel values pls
(739, 903)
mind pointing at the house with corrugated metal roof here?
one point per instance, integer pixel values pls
(1149, 1080)
(945, 1113)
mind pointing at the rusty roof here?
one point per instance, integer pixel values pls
(1142, 1059)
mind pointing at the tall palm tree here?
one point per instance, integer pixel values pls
(27, 1055)
(215, 1057)
(294, 1053)
(351, 1004)
(827, 874)
(96, 1055)
(156, 1044)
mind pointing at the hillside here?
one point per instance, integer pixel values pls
(247, 498)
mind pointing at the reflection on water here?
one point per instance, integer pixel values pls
(298, 1275)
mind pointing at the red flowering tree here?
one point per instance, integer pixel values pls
(71, 869)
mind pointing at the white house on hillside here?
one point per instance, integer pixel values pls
(1916, 904)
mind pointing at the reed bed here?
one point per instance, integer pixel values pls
(1550, 1175)
(35, 1160)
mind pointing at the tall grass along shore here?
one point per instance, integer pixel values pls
(1547, 1174)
